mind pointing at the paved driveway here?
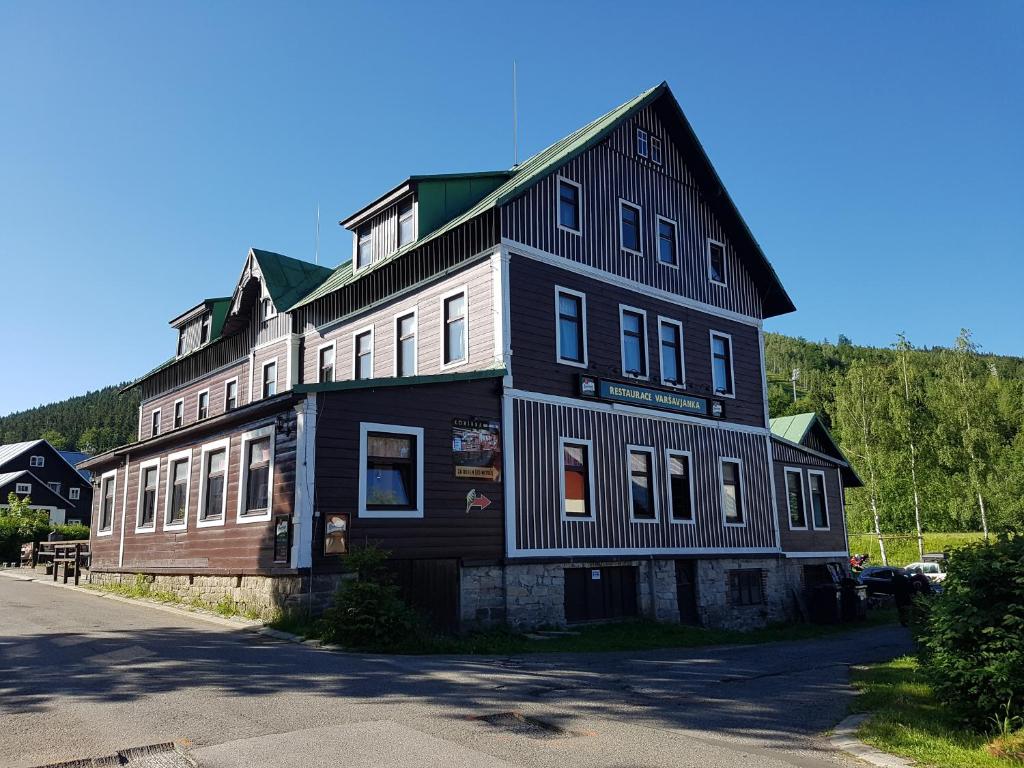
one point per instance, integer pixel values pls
(84, 676)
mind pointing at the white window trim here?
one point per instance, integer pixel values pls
(174, 408)
(743, 491)
(732, 363)
(583, 319)
(25, 488)
(661, 150)
(647, 142)
(649, 450)
(243, 476)
(263, 376)
(199, 397)
(415, 312)
(355, 351)
(356, 266)
(99, 510)
(657, 231)
(645, 341)
(51, 485)
(265, 294)
(156, 418)
(237, 396)
(32, 461)
(560, 464)
(669, 454)
(74, 494)
(143, 466)
(464, 290)
(333, 344)
(365, 427)
(725, 262)
(787, 471)
(207, 449)
(824, 500)
(639, 227)
(415, 221)
(682, 353)
(559, 180)
(171, 459)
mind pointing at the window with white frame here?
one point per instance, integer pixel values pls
(108, 486)
(633, 329)
(213, 483)
(406, 222)
(454, 319)
(680, 485)
(255, 493)
(655, 150)
(643, 503)
(74, 494)
(576, 478)
(668, 242)
(795, 498)
(154, 427)
(54, 486)
(629, 227)
(204, 328)
(732, 491)
(405, 345)
(363, 355)
(569, 195)
(149, 479)
(231, 394)
(721, 364)
(23, 488)
(179, 413)
(819, 502)
(364, 246)
(390, 470)
(716, 262)
(37, 461)
(326, 363)
(641, 142)
(670, 348)
(267, 310)
(179, 471)
(270, 378)
(203, 405)
(571, 330)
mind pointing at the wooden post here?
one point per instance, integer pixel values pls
(78, 561)
(54, 562)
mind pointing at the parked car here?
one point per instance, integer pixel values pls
(935, 572)
(879, 579)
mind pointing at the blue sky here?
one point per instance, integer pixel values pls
(874, 149)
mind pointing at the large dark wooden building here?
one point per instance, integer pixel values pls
(36, 470)
(542, 390)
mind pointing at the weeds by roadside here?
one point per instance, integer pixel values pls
(142, 589)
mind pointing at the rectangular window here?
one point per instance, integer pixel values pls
(37, 461)
(629, 227)
(214, 480)
(155, 423)
(732, 492)
(680, 486)
(23, 488)
(819, 503)
(655, 150)
(745, 587)
(642, 501)
(203, 405)
(455, 328)
(795, 499)
(270, 378)
(406, 223)
(391, 474)
(364, 247)
(721, 364)
(363, 355)
(53, 486)
(267, 308)
(147, 495)
(74, 494)
(257, 477)
(670, 343)
(569, 205)
(204, 328)
(231, 395)
(633, 324)
(667, 242)
(716, 262)
(571, 333)
(327, 364)
(177, 492)
(641, 142)
(179, 413)
(107, 485)
(576, 479)
(405, 345)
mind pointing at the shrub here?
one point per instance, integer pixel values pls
(73, 531)
(972, 649)
(367, 612)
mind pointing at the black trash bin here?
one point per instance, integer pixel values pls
(855, 600)
(825, 604)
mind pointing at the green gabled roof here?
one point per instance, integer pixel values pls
(218, 312)
(288, 279)
(524, 176)
(793, 428)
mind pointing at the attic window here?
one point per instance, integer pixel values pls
(37, 461)
(406, 229)
(267, 308)
(364, 247)
(204, 329)
(655, 150)
(641, 142)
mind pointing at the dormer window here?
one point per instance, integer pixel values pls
(364, 247)
(204, 329)
(406, 223)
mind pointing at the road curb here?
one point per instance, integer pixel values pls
(844, 738)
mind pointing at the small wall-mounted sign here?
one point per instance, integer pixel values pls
(282, 539)
(476, 449)
(476, 500)
(336, 535)
(595, 574)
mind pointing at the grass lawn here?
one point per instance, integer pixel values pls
(907, 721)
(904, 551)
(619, 636)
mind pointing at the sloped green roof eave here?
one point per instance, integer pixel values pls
(288, 279)
(792, 428)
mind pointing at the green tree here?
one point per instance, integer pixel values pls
(55, 438)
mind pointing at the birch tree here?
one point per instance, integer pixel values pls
(907, 415)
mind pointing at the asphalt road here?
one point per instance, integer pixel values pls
(84, 676)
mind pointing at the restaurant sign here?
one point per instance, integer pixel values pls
(649, 397)
(476, 449)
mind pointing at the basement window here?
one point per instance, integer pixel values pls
(746, 587)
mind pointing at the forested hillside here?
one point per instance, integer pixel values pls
(93, 422)
(944, 424)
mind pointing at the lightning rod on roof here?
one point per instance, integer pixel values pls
(316, 247)
(515, 116)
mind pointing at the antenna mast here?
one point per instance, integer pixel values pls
(515, 116)
(316, 255)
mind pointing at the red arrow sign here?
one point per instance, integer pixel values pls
(476, 500)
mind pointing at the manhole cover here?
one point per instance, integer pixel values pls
(523, 725)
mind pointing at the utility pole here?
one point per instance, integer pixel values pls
(793, 380)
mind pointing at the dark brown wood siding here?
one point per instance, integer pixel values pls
(445, 530)
(534, 367)
(540, 529)
(809, 540)
(610, 171)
